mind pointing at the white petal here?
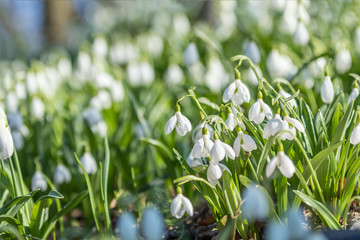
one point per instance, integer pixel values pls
(181, 131)
(231, 121)
(254, 111)
(243, 91)
(297, 124)
(217, 152)
(287, 167)
(188, 206)
(170, 125)
(229, 92)
(229, 151)
(327, 90)
(237, 146)
(271, 166)
(213, 181)
(176, 206)
(214, 171)
(248, 143)
(183, 122)
(208, 143)
(355, 135)
(353, 95)
(267, 110)
(259, 118)
(198, 148)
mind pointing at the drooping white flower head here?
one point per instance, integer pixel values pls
(220, 150)
(293, 125)
(100, 47)
(327, 90)
(198, 131)
(275, 125)
(61, 175)
(231, 121)
(180, 205)
(18, 139)
(258, 111)
(285, 94)
(174, 75)
(255, 205)
(357, 39)
(283, 163)
(11, 102)
(89, 163)
(202, 146)
(179, 121)
(126, 227)
(355, 135)
(6, 140)
(38, 182)
(253, 52)
(237, 92)
(245, 142)
(213, 173)
(354, 92)
(193, 162)
(343, 61)
(38, 108)
(191, 55)
(152, 224)
(301, 36)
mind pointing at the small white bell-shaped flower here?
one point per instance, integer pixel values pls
(253, 52)
(213, 173)
(220, 150)
(231, 121)
(275, 125)
(301, 36)
(61, 175)
(152, 224)
(126, 227)
(255, 203)
(293, 125)
(237, 92)
(203, 145)
(354, 92)
(282, 162)
(259, 110)
(343, 61)
(89, 163)
(38, 182)
(327, 90)
(243, 141)
(6, 139)
(285, 94)
(38, 108)
(355, 135)
(179, 121)
(180, 205)
(191, 55)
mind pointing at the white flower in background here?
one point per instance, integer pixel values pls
(101, 101)
(280, 65)
(64, 67)
(253, 52)
(84, 64)
(174, 74)
(103, 80)
(258, 111)
(237, 92)
(198, 131)
(117, 91)
(191, 55)
(327, 90)
(251, 76)
(20, 90)
(11, 102)
(38, 182)
(278, 5)
(133, 74)
(61, 175)
(357, 39)
(213, 173)
(154, 44)
(31, 83)
(92, 116)
(275, 125)
(126, 227)
(220, 150)
(355, 135)
(181, 25)
(152, 224)
(231, 121)
(285, 94)
(18, 139)
(245, 142)
(147, 73)
(283, 163)
(216, 76)
(180, 205)
(6, 140)
(202, 146)
(99, 128)
(293, 125)
(181, 123)
(100, 47)
(288, 24)
(343, 61)
(193, 162)
(317, 67)
(354, 94)
(38, 109)
(255, 204)
(301, 36)
(89, 163)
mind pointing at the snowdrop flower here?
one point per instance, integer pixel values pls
(275, 125)
(354, 93)
(6, 140)
(61, 175)
(252, 51)
(343, 61)
(38, 182)
(357, 39)
(202, 145)
(99, 128)
(117, 91)
(278, 5)
(255, 205)
(18, 139)
(282, 162)
(92, 116)
(11, 102)
(38, 108)
(100, 47)
(193, 162)
(216, 76)
(231, 121)
(180, 205)
(293, 125)
(191, 55)
(213, 173)
(152, 224)
(280, 65)
(285, 94)
(355, 135)
(179, 121)
(147, 73)
(237, 92)
(259, 110)
(301, 36)
(126, 226)
(198, 131)
(174, 74)
(243, 141)
(327, 90)
(220, 150)
(89, 163)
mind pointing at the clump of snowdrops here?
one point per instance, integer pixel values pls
(257, 157)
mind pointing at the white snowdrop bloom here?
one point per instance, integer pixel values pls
(280, 65)
(276, 231)
(317, 67)
(11, 102)
(193, 162)
(133, 72)
(18, 139)
(181, 25)
(61, 175)
(213, 173)
(258, 111)
(84, 62)
(103, 80)
(154, 44)
(64, 67)
(237, 92)
(255, 204)
(202, 147)
(38, 182)
(147, 73)
(253, 52)
(198, 131)
(174, 74)
(20, 90)
(191, 55)
(226, 24)
(117, 91)
(301, 36)
(101, 101)
(231, 121)
(275, 125)
(220, 150)
(295, 225)
(285, 94)
(288, 24)
(277, 5)
(251, 76)
(283, 163)
(99, 128)
(38, 109)
(152, 224)
(355, 135)
(15, 121)
(92, 116)
(6, 140)
(126, 226)
(181, 123)
(216, 76)
(294, 123)
(327, 90)
(343, 61)
(100, 47)
(31, 83)
(357, 39)
(245, 142)
(353, 95)
(89, 163)
(180, 205)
